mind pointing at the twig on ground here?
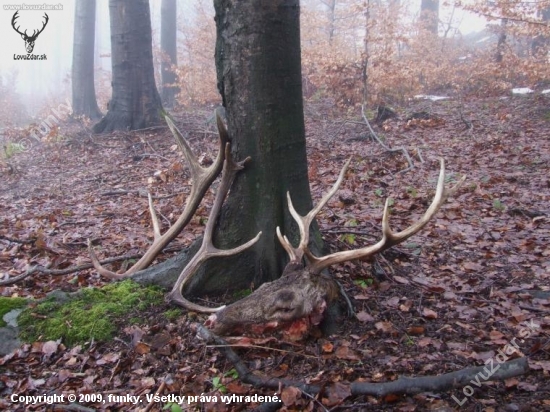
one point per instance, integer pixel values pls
(386, 147)
(14, 240)
(158, 392)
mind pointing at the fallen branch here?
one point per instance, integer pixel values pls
(14, 240)
(386, 147)
(403, 385)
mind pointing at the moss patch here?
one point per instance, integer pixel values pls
(95, 313)
(173, 314)
(9, 304)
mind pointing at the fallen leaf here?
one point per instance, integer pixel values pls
(335, 394)
(429, 314)
(385, 327)
(289, 395)
(142, 348)
(49, 347)
(364, 317)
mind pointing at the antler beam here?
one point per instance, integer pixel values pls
(202, 179)
(389, 238)
(207, 249)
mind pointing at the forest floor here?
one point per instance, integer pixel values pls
(450, 298)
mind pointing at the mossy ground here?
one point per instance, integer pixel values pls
(95, 313)
(9, 304)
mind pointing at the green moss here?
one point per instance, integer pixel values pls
(11, 149)
(173, 314)
(9, 304)
(95, 313)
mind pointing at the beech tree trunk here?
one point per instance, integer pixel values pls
(259, 77)
(84, 98)
(135, 103)
(168, 45)
(258, 65)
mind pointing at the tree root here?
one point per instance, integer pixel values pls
(403, 385)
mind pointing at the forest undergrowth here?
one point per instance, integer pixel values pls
(448, 299)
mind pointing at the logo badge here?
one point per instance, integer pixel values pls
(29, 40)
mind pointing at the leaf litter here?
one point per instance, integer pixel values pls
(453, 296)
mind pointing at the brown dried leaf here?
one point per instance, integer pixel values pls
(364, 317)
(429, 314)
(142, 348)
(385, 327)
(346, 353)
(290, 394)
(335, 394)
(49, 347)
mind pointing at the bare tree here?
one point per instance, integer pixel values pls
(429, 15)
(168, 45)
(135, 103)
(84, 98)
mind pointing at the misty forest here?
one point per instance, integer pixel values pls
(278, 205)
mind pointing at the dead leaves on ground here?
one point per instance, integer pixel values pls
(451, 297)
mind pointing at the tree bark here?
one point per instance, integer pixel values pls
(135, 103)
(168, 45)
(84, 98)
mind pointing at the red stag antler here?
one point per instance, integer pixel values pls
(202, 179)
(303, 292)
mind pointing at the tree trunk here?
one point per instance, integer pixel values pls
(539, 44)
(135, 103)
(258, 63)
(259, 76)
(499, 56)
(168, 44)
(84, 99)
(331, 6)
(429, 15)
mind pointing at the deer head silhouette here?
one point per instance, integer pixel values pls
(29, 40)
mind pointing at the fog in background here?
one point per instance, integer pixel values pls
(47, 82)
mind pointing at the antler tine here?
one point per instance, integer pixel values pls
(202, 178)
(207, 249)
(15, 17)
(154, 217)
(390, 238)
(304, 222)
(285, 243)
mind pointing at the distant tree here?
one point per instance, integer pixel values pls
(539, 45)
(331, 17)
(168, 45)
(84, 98)
(136, 102)
(501, 41)
(429, 15)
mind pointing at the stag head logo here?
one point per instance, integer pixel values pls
(29, 40)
